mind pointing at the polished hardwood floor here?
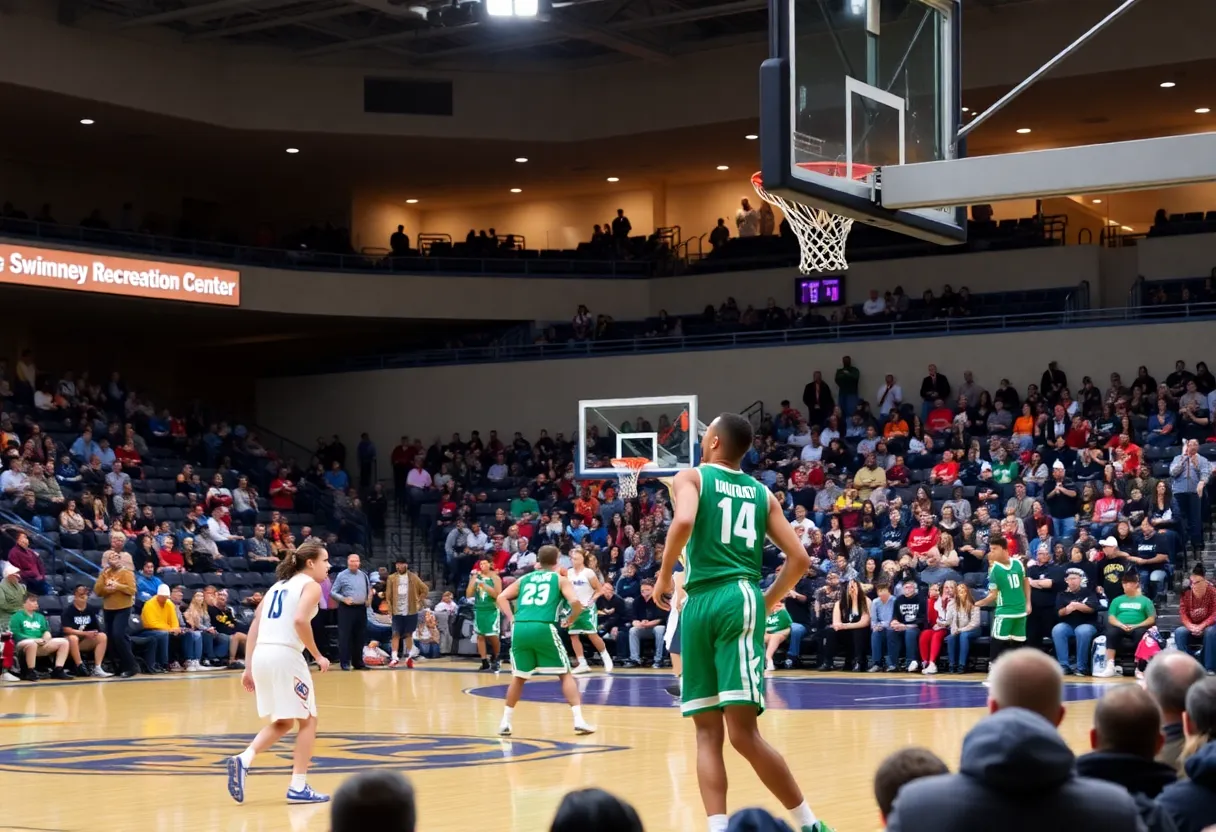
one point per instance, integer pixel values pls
(146, 753)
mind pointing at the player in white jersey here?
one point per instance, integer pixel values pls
(587, 589)
(276, 671)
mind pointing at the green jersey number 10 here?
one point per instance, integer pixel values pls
(740, 527)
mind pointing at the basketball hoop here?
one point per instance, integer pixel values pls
(630, 469)
(821, 234)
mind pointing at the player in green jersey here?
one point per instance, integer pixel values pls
(536, 646)
(721, 519)
(484, 588)
(1010, 591)
(776, 630)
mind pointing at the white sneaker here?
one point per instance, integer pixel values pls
(504, 729)
(101, 673)
(607, 663)
(930, 668)
(9, 677)
(770, 666)
(192, 666)
(581, 667)
(415, 652)
(583, 728)
(913, 667)
(1107, 672)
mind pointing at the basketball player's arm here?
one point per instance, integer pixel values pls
(576, 606)
(310, 598)
(796, 559)
(495, 585)
(988, 599)
(504, 600)
(685, 493)
(468, 591)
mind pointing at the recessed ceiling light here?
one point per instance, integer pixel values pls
(751, 137)
(411, 202)
(1204, 110)
(86, 121)
(293, 150)
(1097, 202)
(1168, 85)
(1128, 228)
(614, 179)
(723, 167)
(966, 109)
(1023, 130)
(517, 190)
(521, 159)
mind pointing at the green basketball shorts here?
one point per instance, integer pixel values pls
(587, 623)
(722, 643)
(537, 648)
(487, 622)
(1006, 627)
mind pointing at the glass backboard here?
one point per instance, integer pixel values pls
(871, 83)
(662, 429)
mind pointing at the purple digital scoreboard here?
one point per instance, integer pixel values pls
(819, 291)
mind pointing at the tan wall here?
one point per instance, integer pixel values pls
(373, 219)
(509, 397)
(1166, 257)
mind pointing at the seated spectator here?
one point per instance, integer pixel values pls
(259, 551)
(649, 622)
(1026, 704)
(228, 636)
(1077, 608)
(228, 544)
(146, 582)
(83, 630)
(1191, 802)
(963, 620)
(777, 627)
(900, 769)
(882, 613)
(910, 617)
(32, 635)
(32, 570)
(427, 636)
(1125, 737)
(160, 622)
(941, 599)
(1130, 616)
(336, 478)
(1196, 614)
(595, 810)
(218, 495)
(378, 799)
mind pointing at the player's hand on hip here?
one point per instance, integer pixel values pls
(662, 588)
(247, 680)
(771, 601)
(322, 664)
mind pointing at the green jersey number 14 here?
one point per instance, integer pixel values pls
(743, 526)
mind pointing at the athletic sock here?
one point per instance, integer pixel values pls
(298, 782)
(247, 756)
(394, 655)
(804, 818)
(605, 657)
(577, 710)
(506, 713)
(718, 823)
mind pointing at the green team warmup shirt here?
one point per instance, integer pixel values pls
(778, 621)
(536, 646)
(26, 626)
(722, 623)
(1131, 611)
(1009, 618)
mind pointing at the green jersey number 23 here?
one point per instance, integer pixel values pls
(535, 594)
(741, 526)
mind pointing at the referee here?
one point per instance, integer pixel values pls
(351, 592)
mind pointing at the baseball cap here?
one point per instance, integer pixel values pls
(9, 569)
(1058, 464)
(163, 589)
(1109, 541)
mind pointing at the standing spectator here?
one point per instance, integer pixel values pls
(417, 480)
(1016, 771)
(848, 379)
(720, 235)
(1052, 383)
(1077, 610)
(1191, 803)
(401, 459)
(1190, 473)
(1125, 736)
(621, 226)
(405, 595)
(32, 635)
(889, 396)
(351, 591)
(933, 387)
(283, 491)
(747, 220)
(116, 586)
(768, 222)
(365, 452)
(399, 242)
(817, 397)
(1060, 497)
(1046, 580)
(1168, 678)
(1196, 614)
(336, 478)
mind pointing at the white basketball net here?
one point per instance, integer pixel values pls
(630, 469)
(821, 235)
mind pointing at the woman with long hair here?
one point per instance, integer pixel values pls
(850, 623)
(941, 599)
(198, 640)
(922, 502)
(276, 670)
(963, 619)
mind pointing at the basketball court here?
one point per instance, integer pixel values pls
(148, 753)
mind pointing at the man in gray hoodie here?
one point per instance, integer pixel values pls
(1016, 772)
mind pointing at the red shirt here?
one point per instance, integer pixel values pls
(282, 500)
(500, 559)
(939, 419)
(921, 540)
(171, 558)
(1198, 610)
(898, 474)
(1077, 438)
(402, 456)
(946, 472)
(127, 456)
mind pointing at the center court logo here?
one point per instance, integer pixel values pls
(334, 754)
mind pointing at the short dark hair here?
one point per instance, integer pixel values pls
(735, 433)
(378, 799)
(547, 555)
(882, 585)
(594, 810)
(1127, 720)
(899, 769)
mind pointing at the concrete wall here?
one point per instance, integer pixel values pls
(1165, 257)
(529, 396)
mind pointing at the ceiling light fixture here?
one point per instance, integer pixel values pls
(1168, 85)
(517, 190)
(614, 179)
(751, 137)
(1023, 130)
(411, 202)
(1204, 110)
(723, 167)
(87, 121)
(1097, 202)
(293, 150)
(1128, 228)
(966, 109)
(521, 159)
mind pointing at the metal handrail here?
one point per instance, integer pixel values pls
(745, 338)
(72, 559)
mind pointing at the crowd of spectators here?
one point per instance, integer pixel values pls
(128, 526)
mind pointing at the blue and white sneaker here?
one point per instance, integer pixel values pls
(236, 779)
(306, 795)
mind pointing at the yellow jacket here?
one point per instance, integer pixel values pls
(158, 616)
